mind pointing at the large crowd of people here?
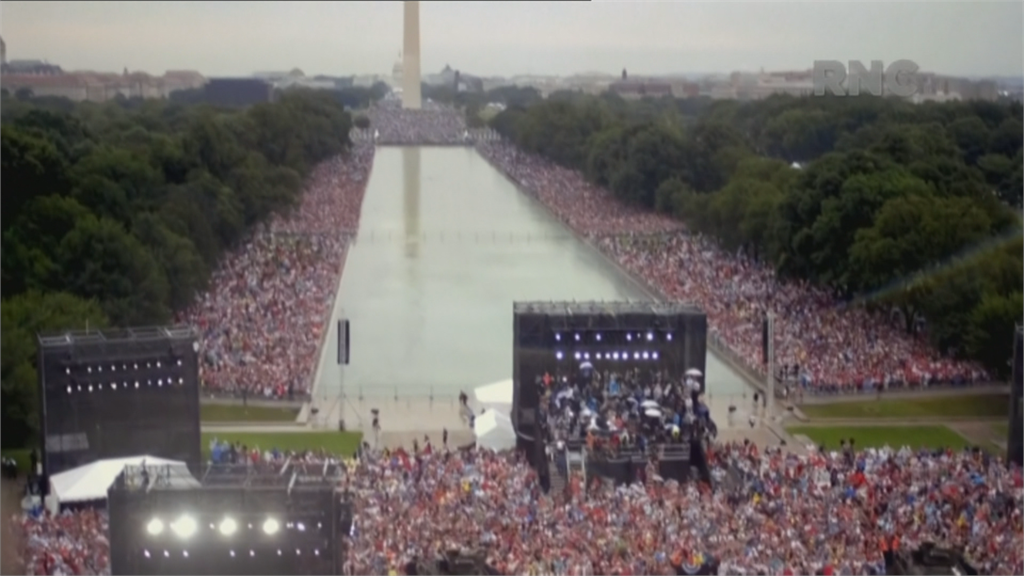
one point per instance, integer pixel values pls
(262, 321)
(832, 348)
(767, 512)
(770, 512)
(432, 124)
(73, 542)
(633, 409)
(784, 515)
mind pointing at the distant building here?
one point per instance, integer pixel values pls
(238, 92)
(446, 77)
(175, 80)
(797, 84)
(685, 89)
(634, 89)
(68, 86)
(31, 68)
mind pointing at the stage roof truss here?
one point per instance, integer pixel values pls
(74, 338)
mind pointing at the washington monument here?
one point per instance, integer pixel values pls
(411, 97)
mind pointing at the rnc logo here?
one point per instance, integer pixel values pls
(897, 80)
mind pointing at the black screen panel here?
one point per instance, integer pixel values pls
(119, 395)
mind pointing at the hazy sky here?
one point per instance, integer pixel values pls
(505, 38)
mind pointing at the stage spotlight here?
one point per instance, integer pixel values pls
(184, 527)
(668, 336)
(636, 355)
(167, 554)
(597, 356)
(184, 553)
(629, 337)
(301, 527)
(558, 337)
(145, 553)
(155, 527)
(577, 336)
(232, 552)
(654, 355)
(598, 336)
(279, 552)
(228, 527)
(558, 355)
(271, 526)
(615, 355)
(650, 336)
(577, 355)
(646, 355)
(252, 553)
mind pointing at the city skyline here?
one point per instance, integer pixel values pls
(237, 39)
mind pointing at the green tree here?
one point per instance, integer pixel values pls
(911, 235)
(101, 261)
(23, 317)
(990, 331)
(32, 167)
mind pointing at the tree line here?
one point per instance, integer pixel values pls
(911, 209)
(116, 213)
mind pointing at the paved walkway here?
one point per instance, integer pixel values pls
(250, 428)
(10, 504)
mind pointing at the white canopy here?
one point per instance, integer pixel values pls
(494, 431)
(91, 482)
(496, 396)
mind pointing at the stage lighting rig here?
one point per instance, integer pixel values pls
(228, 526)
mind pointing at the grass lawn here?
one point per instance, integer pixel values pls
(342, 443)
(979, 405)
(239, 413)
(878, 436)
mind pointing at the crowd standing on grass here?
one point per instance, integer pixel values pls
(433, 124)
(65, 544)
(832, 348)
(784, 515)
(263, 318)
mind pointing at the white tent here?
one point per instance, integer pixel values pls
(494, 431)
(496, 396)
(91, 482)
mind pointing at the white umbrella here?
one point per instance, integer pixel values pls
(586, 365)
(694, 372)
(649, 404)
(653, 413)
